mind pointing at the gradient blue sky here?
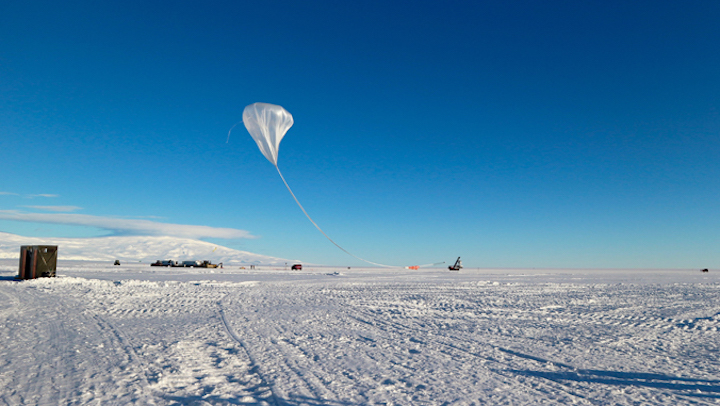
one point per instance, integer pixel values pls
(511, 133)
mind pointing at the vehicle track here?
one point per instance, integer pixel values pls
(254, 365)
(350, 342)
(72, 359)
(397, 360)
(384, 313)
(132, 357)
(293, 372)
(456, 349)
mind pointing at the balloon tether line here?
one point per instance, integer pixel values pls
(318, 227)
(231, 128)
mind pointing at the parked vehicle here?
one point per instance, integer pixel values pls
(297, 267)
(186, 264)
(167, 262)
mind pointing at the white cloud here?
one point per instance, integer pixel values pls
(29, 196)
(41, 195)
(55, 208)
(127, 226)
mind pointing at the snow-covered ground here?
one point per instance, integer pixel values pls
(114, 335)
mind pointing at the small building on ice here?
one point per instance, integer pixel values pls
(38, 261)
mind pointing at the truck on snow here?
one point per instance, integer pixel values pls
(167, 262)
(186, 264)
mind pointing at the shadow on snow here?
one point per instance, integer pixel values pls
(689, 386)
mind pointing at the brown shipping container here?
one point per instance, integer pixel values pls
(38, 261)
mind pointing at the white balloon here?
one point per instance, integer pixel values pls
(267, 124)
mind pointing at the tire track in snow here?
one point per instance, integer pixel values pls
(303, 371)
(296, 377)
(133, 357)
(457, 335)
(392, 366)
(45, 382)
(254, 365)
(452, 348)
(535, 341)
(71, 359)
(190, 357)
(431, 340)
(437, 337)
(8, 303)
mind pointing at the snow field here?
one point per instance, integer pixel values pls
(365, 338)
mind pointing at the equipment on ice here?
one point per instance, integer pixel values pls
(457, 266)
(416, 267)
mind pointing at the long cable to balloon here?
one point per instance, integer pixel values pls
(318, 227)
(231, 128)
(308, 216)
(267, 125)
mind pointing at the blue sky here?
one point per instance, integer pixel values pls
(513, 134)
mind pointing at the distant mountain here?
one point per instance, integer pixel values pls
(139, 248)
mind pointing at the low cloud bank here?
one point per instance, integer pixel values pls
(127, 226)
(55, 208)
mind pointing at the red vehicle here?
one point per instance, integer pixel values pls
(297, 267)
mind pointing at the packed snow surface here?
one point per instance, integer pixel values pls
(114, 335)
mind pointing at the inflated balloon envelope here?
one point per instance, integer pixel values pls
(267, 124)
